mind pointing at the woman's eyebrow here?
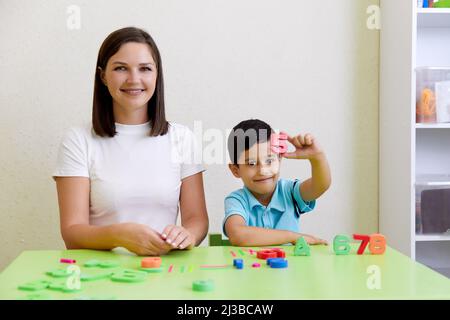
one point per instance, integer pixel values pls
(141, 64)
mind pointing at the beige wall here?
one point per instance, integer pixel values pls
(303, 66)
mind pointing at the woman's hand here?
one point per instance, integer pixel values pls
(311, 239)
(142, 240)
(178, 237)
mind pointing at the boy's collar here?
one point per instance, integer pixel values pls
(274, 203)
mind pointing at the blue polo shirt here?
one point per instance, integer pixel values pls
(282, 213)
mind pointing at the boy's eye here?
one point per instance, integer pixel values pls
(146, 69)
(122, 68)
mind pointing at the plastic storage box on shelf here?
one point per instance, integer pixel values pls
(432, 94)
(433, 204)
(441, 4)
(434, 4)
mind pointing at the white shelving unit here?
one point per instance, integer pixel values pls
(433, 17)
(433, 126)
(432, 237)
(410, 37)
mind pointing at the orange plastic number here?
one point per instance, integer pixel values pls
(377, 244)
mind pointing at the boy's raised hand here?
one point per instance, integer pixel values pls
(305, 147)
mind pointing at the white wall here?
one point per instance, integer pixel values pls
(301, 65)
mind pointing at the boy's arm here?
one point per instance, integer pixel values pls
(306, 147)
(320, 179)
(242, 235)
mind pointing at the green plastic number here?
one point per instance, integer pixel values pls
(129, 275)
(35, 285)
(341, 244)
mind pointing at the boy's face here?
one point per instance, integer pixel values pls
(259, 168)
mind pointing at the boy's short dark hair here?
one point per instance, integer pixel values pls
(245, 134)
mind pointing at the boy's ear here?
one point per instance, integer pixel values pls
(234, 170)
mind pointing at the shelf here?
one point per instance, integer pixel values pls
(433, 237)
(433, 125)
(433, 184)
(433, 17)
(410, 38)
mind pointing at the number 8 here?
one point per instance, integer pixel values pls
(377, 244)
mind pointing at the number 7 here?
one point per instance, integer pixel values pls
(364, 241)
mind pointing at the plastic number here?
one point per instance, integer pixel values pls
(364, 241)
(129, 275)
(278, 142)
(341, 245)
(377, 243)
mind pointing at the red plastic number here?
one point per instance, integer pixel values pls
(278, 142)
(364, 241)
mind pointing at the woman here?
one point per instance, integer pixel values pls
(121, 179)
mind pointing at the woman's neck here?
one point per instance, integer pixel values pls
(138, 116)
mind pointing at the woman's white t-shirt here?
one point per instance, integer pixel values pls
(133, 177)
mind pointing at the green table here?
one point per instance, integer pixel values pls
(323, 275)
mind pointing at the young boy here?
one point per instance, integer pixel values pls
(266, 211)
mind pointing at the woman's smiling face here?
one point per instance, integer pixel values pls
(130, 76)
